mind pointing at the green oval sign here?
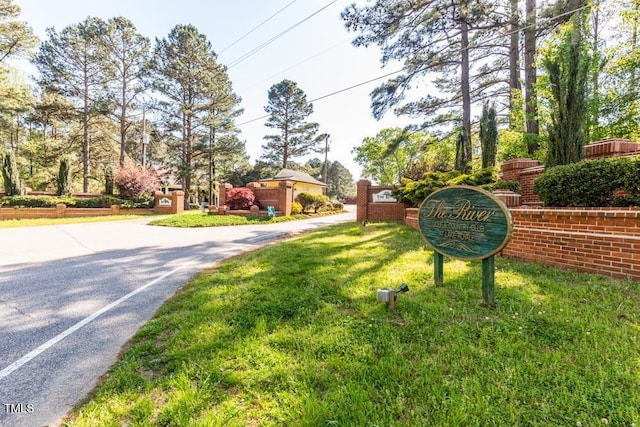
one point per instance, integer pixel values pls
(465, 222)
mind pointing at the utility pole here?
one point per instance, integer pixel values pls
(326, 151)
(144, 136)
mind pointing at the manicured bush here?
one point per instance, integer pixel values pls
(337, 205)
(414, 192)
(240, 199)
(311, 201)
(296, 208)
(33, 201)
(502, 185)
(135, 181)
(590, 183)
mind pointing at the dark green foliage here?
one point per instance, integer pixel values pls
(590, 183)
(10, 175)
(109, 180)
(288, 111)
(146, 201)
(311, 201)
(489, 136)
(414, 192)
(31, 201)
(63, 183)
(567, 69)
(502, 185)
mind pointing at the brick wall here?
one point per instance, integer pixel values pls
(62, 211)
(601, 241)
(368, 210)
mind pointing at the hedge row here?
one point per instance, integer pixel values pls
(70, 201)
(591, 183)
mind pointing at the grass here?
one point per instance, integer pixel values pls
(196, 219)
(291, 334)
(12, 223)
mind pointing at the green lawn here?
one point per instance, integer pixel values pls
(292, 334)
(196, 219)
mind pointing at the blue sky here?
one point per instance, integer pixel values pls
(317, 55)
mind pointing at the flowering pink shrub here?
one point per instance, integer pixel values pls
(240, 198)
(135, 181)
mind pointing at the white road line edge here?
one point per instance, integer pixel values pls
(53, 341)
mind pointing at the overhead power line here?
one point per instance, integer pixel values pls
(332, 94)
(394, 72)
(276, 37)
(257, 26)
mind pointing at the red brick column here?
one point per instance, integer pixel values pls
(362, 200)
(174, 205)
(285, 197)
(223, 194)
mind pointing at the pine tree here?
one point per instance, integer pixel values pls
(72, 63)
(180, 67)
(288, 112)
(127, 53)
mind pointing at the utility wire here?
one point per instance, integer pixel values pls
(258, 26)
(331, 94)
(276, 37)
(400, 70)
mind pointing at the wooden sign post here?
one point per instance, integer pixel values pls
(466, 223)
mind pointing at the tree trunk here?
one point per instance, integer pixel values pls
(530, 76)
(85, 139)
(123, 122)
(465, 87)
(514, 57)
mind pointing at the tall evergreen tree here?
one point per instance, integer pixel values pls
(181, 63)
(431, 38)
(10, 175)
(567, 65)
(16, 37)
(73, 64)
(222, 145)
(488, 136)
(127, 52)
(288, 111)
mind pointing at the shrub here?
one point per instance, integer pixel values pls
(311, 201)
(589, 183)
(502, 185)
(414, 192)
(31, 201)
(296, 208)
(337, 205)
(240, 199)
(135, 181)
(97, 202)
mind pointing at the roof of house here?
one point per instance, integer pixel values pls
(291, 175)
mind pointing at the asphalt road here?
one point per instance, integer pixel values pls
(72, 295)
